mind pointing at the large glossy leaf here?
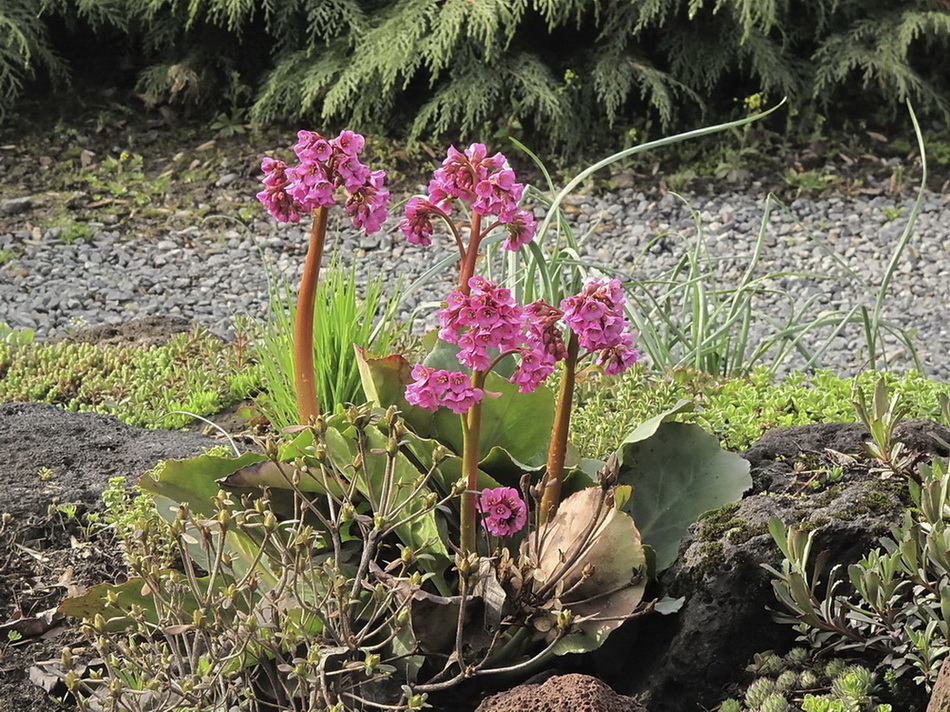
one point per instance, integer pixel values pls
(132, 593)
(647, 428)
(421, 531)
(96, 600)
(678, 473)
(195, 481)
(384, 383)
(515, 429)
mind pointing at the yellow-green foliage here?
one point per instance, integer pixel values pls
(476, 66)
(738, 410)
(193, 372)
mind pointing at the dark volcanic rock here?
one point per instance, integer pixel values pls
(725, 620)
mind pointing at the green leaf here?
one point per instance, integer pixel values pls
(195, 480)
(94, 600)
(517, 424)
(421, 531)
(647, 428)
(677, 474)
(384, 383)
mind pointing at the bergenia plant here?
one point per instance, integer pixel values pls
(325, 168)
(487, 325)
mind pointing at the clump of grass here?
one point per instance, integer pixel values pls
(344, 319)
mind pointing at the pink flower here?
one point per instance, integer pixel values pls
(486, 318)
(367, 205)
(619, 358)
(350, 143)
(325, 166)
(503, 511)
(543, 329)
(535, 365)
(484, 182)
(417, 223)
(311, 146)
(434, 388)
(275, 195)
(596, 314)
(520, 229)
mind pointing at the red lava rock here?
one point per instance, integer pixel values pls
(940, 698)
(561, 693)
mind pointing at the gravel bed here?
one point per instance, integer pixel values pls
(212, 272)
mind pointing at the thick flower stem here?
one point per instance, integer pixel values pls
(554, 473)
(308, 406)
(467, 268)
(471, 434)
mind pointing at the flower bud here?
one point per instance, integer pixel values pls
(564, 619)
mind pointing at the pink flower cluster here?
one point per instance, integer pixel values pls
(503, 511)
(417, 223)
(595, 315)
(433, 388)
(544, 346)
(487, 318)
(325, 166)
(485, 183)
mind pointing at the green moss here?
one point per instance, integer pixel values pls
(823, 499)
(738, 411)
(712, 558)
(715, 524)
(873, 502)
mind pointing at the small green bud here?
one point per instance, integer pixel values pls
(466, 565)
(99, 623)
(271, 449)
(565, 618)
(370, 662)
(416, 702)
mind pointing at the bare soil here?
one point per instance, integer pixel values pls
(44, 553)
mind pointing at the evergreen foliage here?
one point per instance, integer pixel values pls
(558, 68)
